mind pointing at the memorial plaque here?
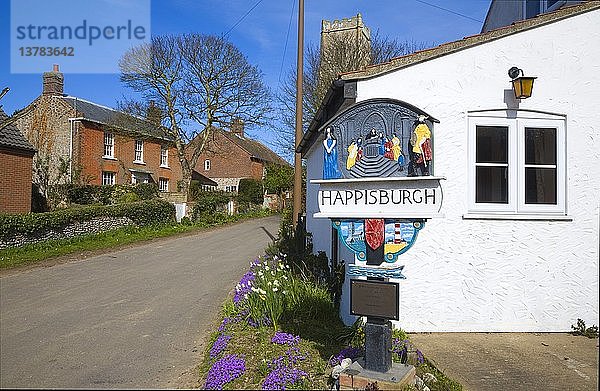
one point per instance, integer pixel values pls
(377, 299)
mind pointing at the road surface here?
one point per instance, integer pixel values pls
(134, 318)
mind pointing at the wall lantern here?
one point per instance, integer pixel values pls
(522, 85)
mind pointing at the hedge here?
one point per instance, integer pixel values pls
(91, 194)
(141, 213)
(250, 191)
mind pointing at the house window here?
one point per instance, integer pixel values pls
(164, 157)
(139, 151)
(109, 145)
(108, 178)
(163, 184)
(231, 189)
(517, 166)
(207, 165)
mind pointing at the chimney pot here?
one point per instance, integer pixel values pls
(55, 68)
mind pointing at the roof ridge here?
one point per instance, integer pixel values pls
(471, 40)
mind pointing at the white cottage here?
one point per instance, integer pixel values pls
(517, 247)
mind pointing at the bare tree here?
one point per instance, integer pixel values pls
(324, 65)
(198, 82)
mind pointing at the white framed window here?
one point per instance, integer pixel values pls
(109, 145)
(164, 156)
(163, 184)
(139, 151)
(108, 178)
(517, 166)
(207, 165)
(231, 189)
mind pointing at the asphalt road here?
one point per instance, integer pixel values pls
(134, 318)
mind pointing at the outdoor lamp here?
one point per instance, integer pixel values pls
(522, 85)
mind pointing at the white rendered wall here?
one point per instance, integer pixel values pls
(500, 275)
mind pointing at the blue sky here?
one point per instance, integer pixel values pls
(261, 36)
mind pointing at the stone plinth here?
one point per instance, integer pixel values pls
(355, 377)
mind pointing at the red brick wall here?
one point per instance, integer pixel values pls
(90, 149)
(15, 182)
(227, 160)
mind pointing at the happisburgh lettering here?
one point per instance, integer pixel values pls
(377, 197)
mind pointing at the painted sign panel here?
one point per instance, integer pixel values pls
(379, 138)
(397, 237)
(380, 197)
(375, 298)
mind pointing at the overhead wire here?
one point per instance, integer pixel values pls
(242, 18)
(447, 10)
(287, 36)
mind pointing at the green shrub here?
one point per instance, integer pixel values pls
(209, 202)
(106, 195)
(141, 213)
(146, 191)
(250, 191)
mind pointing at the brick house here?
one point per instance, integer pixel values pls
(16, 155)
(95, 144)
(230, 156)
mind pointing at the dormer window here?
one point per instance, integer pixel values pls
(207, 165)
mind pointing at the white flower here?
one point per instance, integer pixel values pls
(260, 274)
(254, 289)
(269, 283)
(285, 277)
(273, 273)
(262, 291)
(285, 292)
(281, 266)
(267, 268)
(275, 289)
(238, 287)
(245, 296)
(276, 283)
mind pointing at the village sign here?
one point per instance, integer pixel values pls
(378, 189)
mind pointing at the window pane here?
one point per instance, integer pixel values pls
(491, 144)
(540, 186)
(491, 185)
(540, 146)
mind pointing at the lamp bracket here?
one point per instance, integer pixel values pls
(513, 72)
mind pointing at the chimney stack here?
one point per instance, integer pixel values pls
(53, 82)
(237, 127)
(154, 113)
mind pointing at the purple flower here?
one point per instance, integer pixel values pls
(225, 370)
(278, 379)
(281, 338)
(282, 372)
(420, 358)
(244, 287)
(219, 345)
(348, 352)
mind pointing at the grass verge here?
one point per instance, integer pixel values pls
(295, 347)
(24, 255)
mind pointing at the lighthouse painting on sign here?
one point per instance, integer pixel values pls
(399, 236)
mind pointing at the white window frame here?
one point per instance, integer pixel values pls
(164, 157)
(516, 205)
(165, 182)
(207, 165)
(140, 151)
(108, 178)
(109, 145)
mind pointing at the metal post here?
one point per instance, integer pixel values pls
(299, 133)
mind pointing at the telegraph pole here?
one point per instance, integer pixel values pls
(299, 133)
